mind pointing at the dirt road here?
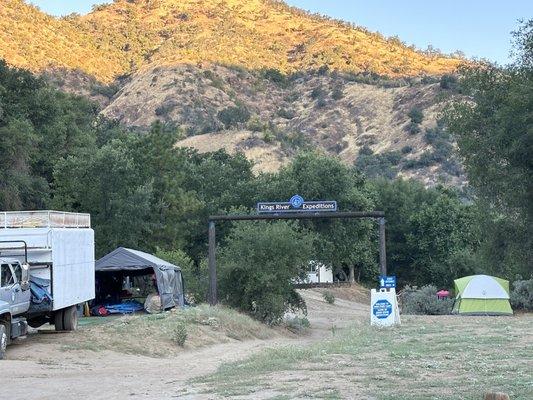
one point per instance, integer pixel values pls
(37, 368)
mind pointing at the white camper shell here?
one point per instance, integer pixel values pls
(60, 248)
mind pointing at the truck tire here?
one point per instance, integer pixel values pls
(3, 341)
(58, 320)
(70, 318)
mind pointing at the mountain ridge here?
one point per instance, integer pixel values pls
(131, 35)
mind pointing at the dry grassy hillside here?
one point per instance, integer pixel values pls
(129, 35)
(271, 117)
(33, 40)
(255, 76)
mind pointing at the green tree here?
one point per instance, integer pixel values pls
(257, 266)
(220, 182)
(106, 184)
(432, 235)
(494, 128)
(19, 187)
(38, 126)
(493, 124)
(349, 245)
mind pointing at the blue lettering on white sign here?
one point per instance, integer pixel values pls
(382, 309)
(387, 282)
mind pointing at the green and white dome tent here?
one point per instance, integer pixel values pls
(482, 295)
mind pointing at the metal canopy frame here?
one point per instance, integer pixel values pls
(379, 215)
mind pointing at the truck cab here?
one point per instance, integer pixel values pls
(15, 300)
(46, 270)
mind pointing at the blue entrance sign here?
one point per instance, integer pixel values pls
(387, 282)
(296, 204)
(382, 309)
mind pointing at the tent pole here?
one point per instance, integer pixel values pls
(212, 265)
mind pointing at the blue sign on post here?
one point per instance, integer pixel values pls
(382, 309)
(387, 282)
(296, 204)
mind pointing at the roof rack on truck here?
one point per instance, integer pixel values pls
(44, 219)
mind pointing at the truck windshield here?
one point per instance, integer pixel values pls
(18, 271)
(6, 277)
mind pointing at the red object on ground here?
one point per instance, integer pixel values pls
(442, 294)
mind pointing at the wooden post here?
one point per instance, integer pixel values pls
(382, 249)
(213, 300)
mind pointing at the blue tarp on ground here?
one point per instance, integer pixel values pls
(126, 307)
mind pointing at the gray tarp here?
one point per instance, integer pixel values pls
(168, 276)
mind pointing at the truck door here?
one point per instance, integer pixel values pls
(22, 297)
(11, 292)
(6, 282)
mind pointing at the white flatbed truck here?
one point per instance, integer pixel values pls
(46, 270)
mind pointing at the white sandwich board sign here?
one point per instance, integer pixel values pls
(384, 307)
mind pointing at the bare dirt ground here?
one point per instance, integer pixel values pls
(39, 367)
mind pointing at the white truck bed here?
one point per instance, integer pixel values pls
(60, 248)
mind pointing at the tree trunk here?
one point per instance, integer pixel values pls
(352, 274)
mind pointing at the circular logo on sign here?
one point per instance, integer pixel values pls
(297, 201)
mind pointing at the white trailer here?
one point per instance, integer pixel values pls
(59, 249)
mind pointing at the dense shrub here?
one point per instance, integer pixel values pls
(275, 76)
(323, 70)
(297, 324)
(522, 295)
(366, 150)
(216, 81)
(378, 165)
(318, 93)
(321, 103)
(449, 82)
(292, 97)
(292, 140)
(416, 115)
(406, 149)
(453, 167)
(268, 136)
(428, 158)
(257, 266)
(329, 297)
(180, 334)
(105, 90)
(337, 94)
(286, 113)
(413, 128)
(256, 125)
(424, 301)
(165, 108)
(233, 116)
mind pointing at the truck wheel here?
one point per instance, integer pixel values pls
(58, 320)
(3, 341)
(70, 318)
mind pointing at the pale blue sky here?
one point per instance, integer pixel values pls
(479, 28)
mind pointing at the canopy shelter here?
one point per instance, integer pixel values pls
(121, 262)
(482, 295)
